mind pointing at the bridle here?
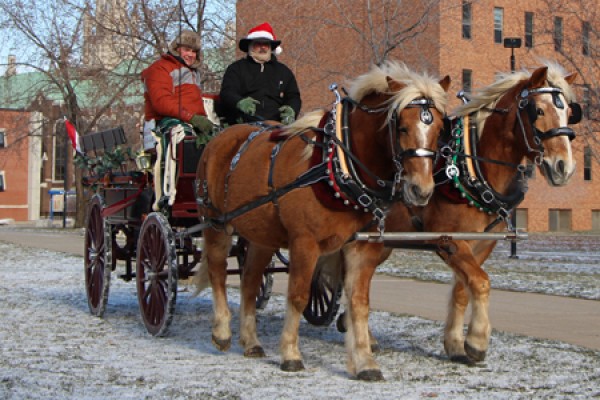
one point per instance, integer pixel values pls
(394, 131)
(526, 103)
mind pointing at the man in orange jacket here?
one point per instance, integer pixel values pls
(172, 86)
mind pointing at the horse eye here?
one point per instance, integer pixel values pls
(540, 112)
(403, 130)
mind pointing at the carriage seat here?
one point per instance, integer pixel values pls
(97, 144)
(178, 157)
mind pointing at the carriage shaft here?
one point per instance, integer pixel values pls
(396, 239)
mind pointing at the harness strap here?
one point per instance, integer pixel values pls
(311, 176)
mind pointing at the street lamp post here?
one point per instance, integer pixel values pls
(513, 43)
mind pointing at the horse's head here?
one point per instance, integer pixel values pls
(545, 107)
(415, 121)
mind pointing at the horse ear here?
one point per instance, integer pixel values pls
(445, 83)
(538, 77)
(571, 78)
(394, 85)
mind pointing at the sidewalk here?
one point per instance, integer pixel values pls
(549, 317)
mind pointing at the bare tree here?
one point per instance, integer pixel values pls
(572, 29)
(60, 39)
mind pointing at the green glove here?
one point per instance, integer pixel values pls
(287, 114)
(247, 105)
(202, 124)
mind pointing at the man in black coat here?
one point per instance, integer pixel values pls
(258, 87)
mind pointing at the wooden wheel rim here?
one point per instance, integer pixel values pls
(156, 274)
(97, 258)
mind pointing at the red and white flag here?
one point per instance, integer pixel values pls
(73, 135)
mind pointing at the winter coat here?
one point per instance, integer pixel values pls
(274, 86)
(172, 89)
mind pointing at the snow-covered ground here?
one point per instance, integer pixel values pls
(52, 348)
(564, 265)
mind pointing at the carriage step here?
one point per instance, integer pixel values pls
(126, 277)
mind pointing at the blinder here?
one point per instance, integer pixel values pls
(576, 113)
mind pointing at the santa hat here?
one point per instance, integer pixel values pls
(262, 32)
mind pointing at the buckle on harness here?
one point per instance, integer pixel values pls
(364, 200)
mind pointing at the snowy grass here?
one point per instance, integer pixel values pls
(564, 265)
(52, 348)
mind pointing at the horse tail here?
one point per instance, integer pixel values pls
(201, 279)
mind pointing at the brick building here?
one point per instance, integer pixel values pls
(325, 42)
(19, 193)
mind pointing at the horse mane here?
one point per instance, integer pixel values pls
(487, 97)
(416, 85)
(307, 121)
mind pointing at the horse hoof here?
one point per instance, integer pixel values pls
(221, 344)
(340, 324)
(292, 366)
(255, 352)
(461, 359)
(474, 354)
(375, 348)
(370, 375)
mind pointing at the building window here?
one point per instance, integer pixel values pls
(59, 156)
(2, 139)
(529, 29)
(466, 19)
(2, 182)
(467, 78)
(587, 101)
(585, 31)
(521, 218)
(498, 24)
(587, 163)
(558, 33)
(559, 220)
(596, 220)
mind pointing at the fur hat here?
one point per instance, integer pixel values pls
(262, 32)
(186, 38)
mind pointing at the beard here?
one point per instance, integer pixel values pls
(261, 57)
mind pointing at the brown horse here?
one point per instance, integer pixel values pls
(521, 115)
(312, 189)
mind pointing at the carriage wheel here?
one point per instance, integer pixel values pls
(324, 301)
(97, 257)
(156, 274)
(266, 286)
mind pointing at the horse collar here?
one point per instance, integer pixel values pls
(464, 170)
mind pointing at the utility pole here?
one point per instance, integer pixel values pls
(512, 44)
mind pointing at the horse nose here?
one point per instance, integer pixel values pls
(560, 167)
(419, 194)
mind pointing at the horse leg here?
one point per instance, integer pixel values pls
(303, 259)
(257, 259)
(476, 280)
(216, 251)
(360, 263)
(453, 333)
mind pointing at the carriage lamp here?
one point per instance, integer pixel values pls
(143, 161)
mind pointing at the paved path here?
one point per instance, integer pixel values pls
(549, 317)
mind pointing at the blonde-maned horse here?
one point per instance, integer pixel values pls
(520, 116)
(309, 187)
